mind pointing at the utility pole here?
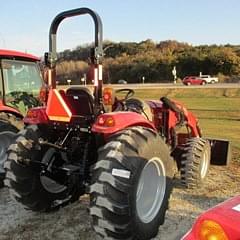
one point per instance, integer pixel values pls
(174, 73)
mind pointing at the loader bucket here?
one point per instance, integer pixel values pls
(220, 152)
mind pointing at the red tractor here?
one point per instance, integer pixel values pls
(120, 151)
(20, 83)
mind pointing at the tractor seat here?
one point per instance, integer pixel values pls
(80, 101)
(139, 106)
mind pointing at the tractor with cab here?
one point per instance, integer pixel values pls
(20, 84)
(122, 151)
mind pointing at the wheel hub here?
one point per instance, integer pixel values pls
(48, 183)
(204, 165)
(151, 190)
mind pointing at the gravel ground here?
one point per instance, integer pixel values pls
(73, 222)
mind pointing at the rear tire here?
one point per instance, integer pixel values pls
(195, 162)
(131, 186)
(12, 120)
(30, 186)
(8, 131)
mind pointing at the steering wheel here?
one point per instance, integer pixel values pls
(128, 93)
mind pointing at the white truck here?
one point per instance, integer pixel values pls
(209, 79)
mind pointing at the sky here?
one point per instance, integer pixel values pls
(24, 24)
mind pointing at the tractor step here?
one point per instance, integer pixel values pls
(70, 168)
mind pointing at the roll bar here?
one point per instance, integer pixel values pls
(96, 53)
(98, 49)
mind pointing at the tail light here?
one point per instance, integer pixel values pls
(43, 95)
(106, 121)
(211, 230)
(108, 98)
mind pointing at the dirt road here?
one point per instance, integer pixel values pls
(73, 222)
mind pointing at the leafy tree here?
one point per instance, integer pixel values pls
(131, 61)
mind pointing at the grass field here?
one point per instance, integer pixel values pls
(218, 110)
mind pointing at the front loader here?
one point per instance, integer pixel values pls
(120, 151)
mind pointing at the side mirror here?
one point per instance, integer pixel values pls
(46, 61)
(50, 60)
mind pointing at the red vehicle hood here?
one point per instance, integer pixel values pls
(227, 214)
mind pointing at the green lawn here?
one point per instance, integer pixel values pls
(218, 110)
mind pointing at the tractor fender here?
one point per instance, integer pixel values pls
(110, 123)
(10, 110)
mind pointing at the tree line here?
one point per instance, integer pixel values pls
(152, 61)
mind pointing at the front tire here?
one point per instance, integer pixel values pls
(30, 186)
(132, 182)
(195, 162)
